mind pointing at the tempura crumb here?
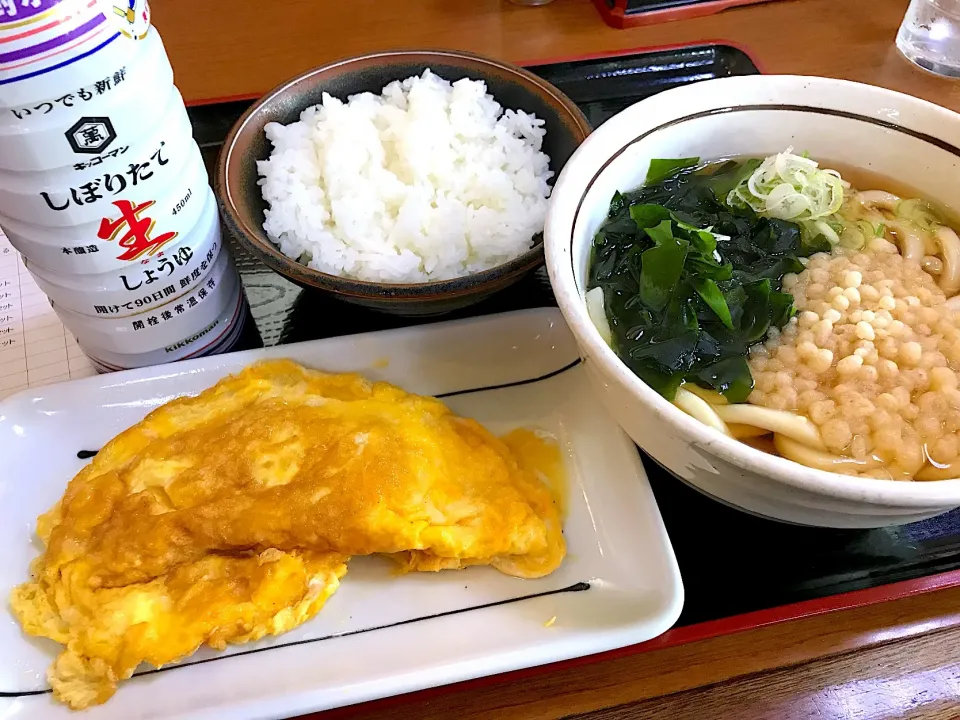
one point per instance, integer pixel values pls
(872, 360)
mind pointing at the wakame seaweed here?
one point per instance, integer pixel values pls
(689, 284)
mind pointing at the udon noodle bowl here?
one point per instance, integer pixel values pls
(782, 305)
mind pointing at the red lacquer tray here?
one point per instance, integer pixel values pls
(740, 572)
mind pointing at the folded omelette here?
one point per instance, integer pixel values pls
(229, 516)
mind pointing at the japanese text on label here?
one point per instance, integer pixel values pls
(113, 183)
(178, 307)
(84, 94)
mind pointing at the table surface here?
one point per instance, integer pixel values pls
(898, 659)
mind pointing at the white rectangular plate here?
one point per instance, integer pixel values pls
(379, 635)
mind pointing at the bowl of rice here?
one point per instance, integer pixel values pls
(411, 182)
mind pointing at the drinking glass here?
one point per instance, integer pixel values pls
(930, 36)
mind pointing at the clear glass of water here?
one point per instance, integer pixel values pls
(930, 36)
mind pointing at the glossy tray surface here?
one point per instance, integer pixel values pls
(731, 562)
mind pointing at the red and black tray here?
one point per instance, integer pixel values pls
(739, 571)
(633, 13)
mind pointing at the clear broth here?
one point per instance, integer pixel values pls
(870, 180)
(862, 179)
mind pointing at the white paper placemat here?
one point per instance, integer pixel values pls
(35, 349)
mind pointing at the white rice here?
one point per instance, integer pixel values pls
(427, 181)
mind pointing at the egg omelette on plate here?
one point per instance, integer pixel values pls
(231, 515)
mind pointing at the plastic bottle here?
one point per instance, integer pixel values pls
(102, 187)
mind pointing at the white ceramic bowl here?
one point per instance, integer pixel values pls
(837, 121)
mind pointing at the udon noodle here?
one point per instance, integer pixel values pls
(864, 377)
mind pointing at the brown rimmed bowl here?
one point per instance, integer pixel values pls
(243, 206)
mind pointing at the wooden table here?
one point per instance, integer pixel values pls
(897, 659)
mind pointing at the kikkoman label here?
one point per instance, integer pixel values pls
(23, 11)
(131, 18)
(40, 36)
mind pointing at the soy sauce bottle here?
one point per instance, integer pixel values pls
(102, 188)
